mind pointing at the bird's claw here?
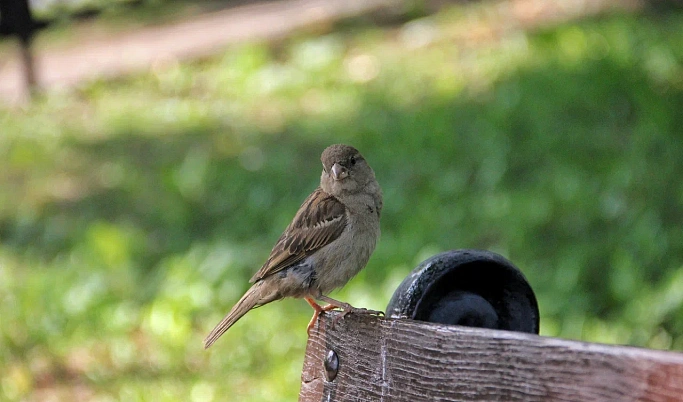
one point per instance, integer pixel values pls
(345, 308)
(366, 311)
(354, 310)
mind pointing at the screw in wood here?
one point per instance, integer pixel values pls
(331, 365)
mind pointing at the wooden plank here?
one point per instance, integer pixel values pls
(402, 360)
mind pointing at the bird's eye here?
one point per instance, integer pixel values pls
(353, 160)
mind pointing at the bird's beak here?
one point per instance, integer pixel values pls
(339, 172)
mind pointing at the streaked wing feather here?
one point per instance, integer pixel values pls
(319, 221)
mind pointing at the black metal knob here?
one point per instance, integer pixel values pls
(473, 288)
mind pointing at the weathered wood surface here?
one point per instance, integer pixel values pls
(403, 360)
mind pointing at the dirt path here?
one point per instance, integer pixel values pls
(197, 37)
(203, 35)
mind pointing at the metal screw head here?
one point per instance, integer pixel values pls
(331, 365)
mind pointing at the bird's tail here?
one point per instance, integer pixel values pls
(252, 298)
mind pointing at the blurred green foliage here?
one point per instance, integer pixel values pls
(134, 211)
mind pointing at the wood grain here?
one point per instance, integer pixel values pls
(402, 360)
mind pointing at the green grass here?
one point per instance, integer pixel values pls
(134, 211)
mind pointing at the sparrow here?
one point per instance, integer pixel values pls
(327, 243)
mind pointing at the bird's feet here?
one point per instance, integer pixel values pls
(333, 304)
(318, 309)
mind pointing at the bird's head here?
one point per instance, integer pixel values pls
(344, 170)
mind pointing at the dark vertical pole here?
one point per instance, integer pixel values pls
(15, 19)
(29, 67)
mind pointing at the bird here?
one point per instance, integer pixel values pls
(329, 241)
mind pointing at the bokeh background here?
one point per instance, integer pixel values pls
(134, 208)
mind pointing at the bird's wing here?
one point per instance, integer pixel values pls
(319, 221)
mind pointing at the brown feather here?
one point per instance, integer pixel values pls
(319, 221)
